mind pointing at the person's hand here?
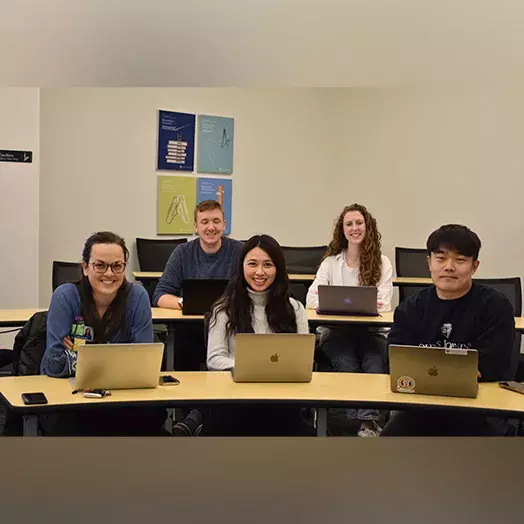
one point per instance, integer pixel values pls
(478, 374)
(68, 343)
(379, 303)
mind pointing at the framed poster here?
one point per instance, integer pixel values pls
(215, 144)
(176, 200)
(176, 141)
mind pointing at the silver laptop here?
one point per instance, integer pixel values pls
(434, 371)
(118, 366)
(347, 300)
(274, 357)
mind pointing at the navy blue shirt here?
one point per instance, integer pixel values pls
(189, 260)
(482, 319)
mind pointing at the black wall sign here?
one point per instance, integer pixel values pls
(16, 156)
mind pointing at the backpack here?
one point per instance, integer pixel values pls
(28, 350)
(30, 345)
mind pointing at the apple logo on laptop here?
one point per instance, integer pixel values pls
(274, 358)
(433, 372)
(347, 300)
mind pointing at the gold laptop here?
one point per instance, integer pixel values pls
(434, 371)
(274, 357)
(118, 366)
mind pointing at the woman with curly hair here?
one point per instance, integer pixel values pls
(354, 258)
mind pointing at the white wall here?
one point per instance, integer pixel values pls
(419, 159)
(416, 158)
(99, 156)
(19, 130)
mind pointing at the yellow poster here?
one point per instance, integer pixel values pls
(176, 200)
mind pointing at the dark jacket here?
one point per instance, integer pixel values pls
(29, 345)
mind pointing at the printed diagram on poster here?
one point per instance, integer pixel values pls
(176, 141)
(220, 190)
(176, 200)
(215, 144)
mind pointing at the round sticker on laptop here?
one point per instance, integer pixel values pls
(406, 385)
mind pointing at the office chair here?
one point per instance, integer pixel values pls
(154, 253)
(410, 262)
(512, 289)
(302, 260)
(64, 272)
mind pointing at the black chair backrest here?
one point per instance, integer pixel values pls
(410, 262)
(154, 253)
(303, 259)
(512, 289)
(64, 272)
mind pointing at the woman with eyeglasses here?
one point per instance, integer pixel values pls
(102, 308)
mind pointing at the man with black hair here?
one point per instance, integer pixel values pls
(454, 312)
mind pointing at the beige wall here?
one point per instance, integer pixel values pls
(417, 159)
(19, 114)
(99, 157)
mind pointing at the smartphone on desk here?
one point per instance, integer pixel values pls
(518, 387)
(168, 380)
(31, 399)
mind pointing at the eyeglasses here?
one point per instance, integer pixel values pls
(116, 267)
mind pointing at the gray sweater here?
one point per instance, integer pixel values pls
(221, 348)
(190, 261)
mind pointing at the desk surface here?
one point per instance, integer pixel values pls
(304, 277)
(412, 281)
(204, 387)
(154, 275)
(385, 319)
(18, 317)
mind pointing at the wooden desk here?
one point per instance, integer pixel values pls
(412, 281)
(143, 276)
(384, 319)
(205, 388)
(163, 315)
(171, 317)
(16, 317)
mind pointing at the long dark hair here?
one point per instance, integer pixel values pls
(114, 318)
(238, 305)
(371, 254)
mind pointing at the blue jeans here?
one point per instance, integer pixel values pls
(355, 349)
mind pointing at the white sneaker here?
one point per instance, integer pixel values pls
(370, 432)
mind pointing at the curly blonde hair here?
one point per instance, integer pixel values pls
(370, 255)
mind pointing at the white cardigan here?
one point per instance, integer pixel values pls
(334, 272)
(221, 348)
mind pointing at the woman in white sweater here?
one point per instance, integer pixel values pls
(354, 258)
(257, 300)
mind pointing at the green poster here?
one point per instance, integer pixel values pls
(175, 204)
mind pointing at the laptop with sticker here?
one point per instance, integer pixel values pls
(433, 371)
(347, 300)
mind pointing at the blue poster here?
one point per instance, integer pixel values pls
(220, 190)
(215, 144)
(176, 141)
